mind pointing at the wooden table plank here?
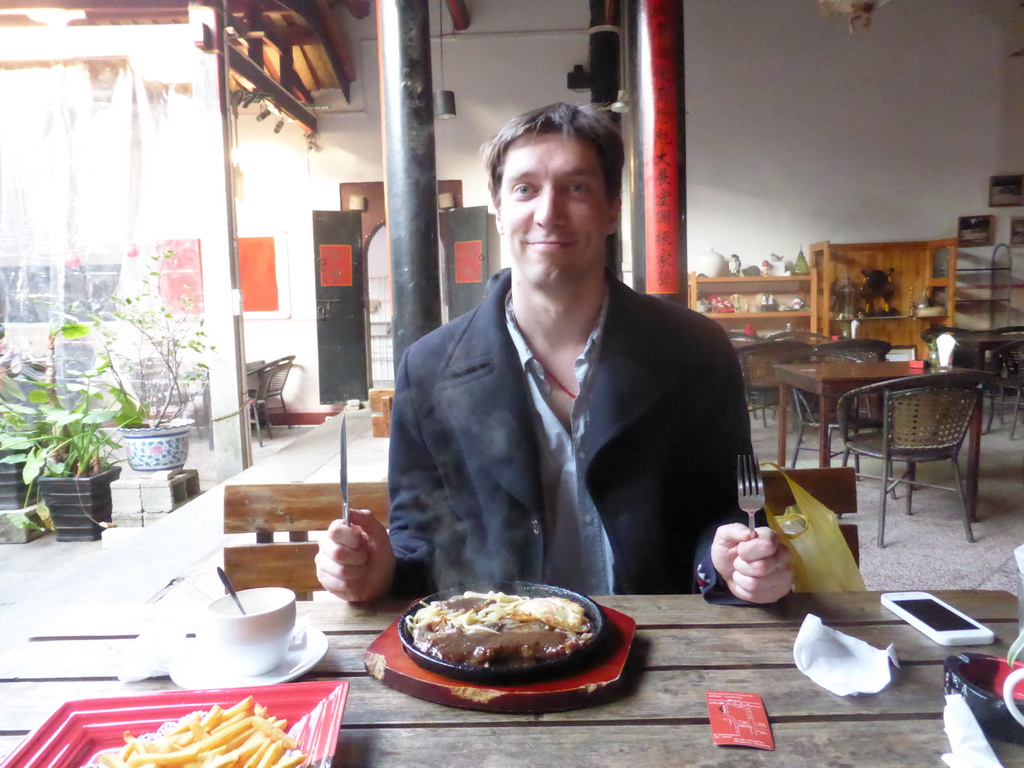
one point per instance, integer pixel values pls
(648, 611)
(657, 695)
(684, 648)
(693, 647)
(798, 745)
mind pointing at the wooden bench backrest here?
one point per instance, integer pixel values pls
(298, 508)
(294, 509)
(835, 487)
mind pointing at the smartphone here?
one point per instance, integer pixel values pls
(941, 622)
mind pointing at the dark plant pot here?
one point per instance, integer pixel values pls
(14, 492)
(78, 504)
(979, 679)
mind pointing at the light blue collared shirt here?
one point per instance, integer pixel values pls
(577, 554)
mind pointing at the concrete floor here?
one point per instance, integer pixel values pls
(176, 558)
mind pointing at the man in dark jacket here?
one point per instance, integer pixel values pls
(568, 430)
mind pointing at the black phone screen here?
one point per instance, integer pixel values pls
(934, 615)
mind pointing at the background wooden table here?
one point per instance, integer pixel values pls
(829, 381)
(684, 648)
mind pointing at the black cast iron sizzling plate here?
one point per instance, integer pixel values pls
(503, 674)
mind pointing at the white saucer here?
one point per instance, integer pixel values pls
(193, 672)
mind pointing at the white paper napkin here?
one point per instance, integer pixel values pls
(970, 747)
(151, 654)
(840, 663)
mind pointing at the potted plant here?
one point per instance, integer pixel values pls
(19, 521)
(63, 437)
(153, 353)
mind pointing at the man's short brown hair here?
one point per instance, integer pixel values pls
(587, 123)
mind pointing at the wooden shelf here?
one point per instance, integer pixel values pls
(758, 315)
(804, 287)
(759, 279)
(911, 264)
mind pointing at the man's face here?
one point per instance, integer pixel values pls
(553, 211)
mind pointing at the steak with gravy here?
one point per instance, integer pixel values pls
(489, 629)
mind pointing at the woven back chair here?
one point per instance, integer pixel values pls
(924, 418)
(277, 381)
(758, 361)
(257, 402)
(857, 350)
(1007, 362)
(807, 337)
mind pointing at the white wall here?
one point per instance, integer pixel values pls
(797, 130)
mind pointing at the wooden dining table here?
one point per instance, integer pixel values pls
(683, 648)
(829, 381)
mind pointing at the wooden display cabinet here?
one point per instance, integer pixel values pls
(919, 266)
(783, 287)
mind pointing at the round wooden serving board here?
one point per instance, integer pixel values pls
(386, 660)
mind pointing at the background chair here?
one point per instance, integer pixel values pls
(857, 350)
(924, 418)
(758, 361)
(257, 402)
(807, 337)
(277, 381)
(1007, 362)
(806, 407)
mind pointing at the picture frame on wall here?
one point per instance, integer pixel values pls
(975, 230)
(1017, 230)
(1006, 190)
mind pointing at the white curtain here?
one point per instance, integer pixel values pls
(96, 167)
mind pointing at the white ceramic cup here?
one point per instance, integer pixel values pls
(1011, 704)
(250, 644)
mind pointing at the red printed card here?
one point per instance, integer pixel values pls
(739, 719)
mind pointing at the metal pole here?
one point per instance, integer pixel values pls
(410, 180)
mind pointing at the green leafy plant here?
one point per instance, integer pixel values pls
(153, 352)
(61, 434)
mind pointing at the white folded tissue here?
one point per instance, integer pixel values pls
(970, 747)
(152, 653)
(840, 663)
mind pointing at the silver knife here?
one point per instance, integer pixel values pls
(343, 456)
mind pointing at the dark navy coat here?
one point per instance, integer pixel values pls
(668, 418)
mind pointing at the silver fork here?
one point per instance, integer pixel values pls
(749, 488)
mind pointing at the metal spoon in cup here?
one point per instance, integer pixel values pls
(231, 590)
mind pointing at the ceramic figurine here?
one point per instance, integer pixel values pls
(800, 265)
(735, 268)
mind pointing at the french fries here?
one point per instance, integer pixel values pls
(242, 736)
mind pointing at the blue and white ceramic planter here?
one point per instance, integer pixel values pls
(158, 449)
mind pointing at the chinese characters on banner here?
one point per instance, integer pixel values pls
(661, 157)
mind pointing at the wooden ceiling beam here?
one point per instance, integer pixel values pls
(254, 77)
(318, 16)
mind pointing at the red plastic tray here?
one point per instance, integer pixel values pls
(78, 730)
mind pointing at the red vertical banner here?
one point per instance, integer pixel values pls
(469, 261)
(257, 263)
(335, 265)
(658, 75)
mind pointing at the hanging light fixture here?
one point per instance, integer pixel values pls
(444, 101)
